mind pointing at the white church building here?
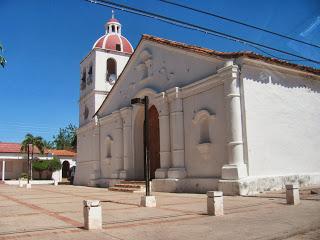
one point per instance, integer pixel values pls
(239, 122)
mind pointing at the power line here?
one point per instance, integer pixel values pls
(193, 27)
(238, 22)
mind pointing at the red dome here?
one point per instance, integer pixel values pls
(110, 42)
(113, 20)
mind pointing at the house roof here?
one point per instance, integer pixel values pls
(6, 147)
(214, 53)
(61, 152)
(9, 147)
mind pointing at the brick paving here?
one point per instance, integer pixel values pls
(55, 212)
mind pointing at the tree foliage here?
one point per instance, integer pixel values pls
(54, 164)
(40, 166)
(66, 138)
(35, 141)
(48, 144)
(43, 165)
(3, 61)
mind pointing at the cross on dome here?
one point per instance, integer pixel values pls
(113, 39)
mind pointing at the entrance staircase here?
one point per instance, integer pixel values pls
(129, 186)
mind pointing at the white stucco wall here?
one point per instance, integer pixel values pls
(282, 115)
(87, 155)
(167, 68)
(196, 164)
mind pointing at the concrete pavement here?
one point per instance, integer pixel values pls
(49, 212)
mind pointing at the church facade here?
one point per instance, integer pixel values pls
(239, 122)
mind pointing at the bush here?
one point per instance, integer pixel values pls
(54, 164)
(40, 165)
(23, 176)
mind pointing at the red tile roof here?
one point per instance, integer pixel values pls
(61, 152)
(7, 147)
(10, 147)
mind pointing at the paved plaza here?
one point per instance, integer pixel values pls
(55, 212)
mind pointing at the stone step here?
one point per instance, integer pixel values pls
(122, 189)
(126, 185)
(132, 182)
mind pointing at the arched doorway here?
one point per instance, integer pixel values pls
(154, 141)
(65, 169)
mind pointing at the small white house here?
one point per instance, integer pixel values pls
(14, 162)
(239, 122)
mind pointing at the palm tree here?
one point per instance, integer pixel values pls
(2, 59)
(35, 141)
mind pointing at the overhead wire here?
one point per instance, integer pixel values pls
(195, 27)
(238, 22)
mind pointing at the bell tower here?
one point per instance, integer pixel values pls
(100, 69)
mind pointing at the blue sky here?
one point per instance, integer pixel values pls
(45, 41)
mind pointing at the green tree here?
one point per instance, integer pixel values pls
(54, 164)
(3, 61)
(35, 141)
(66, 138)
(48, 144)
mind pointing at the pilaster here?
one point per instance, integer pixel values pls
(177, 169)
(126, 114)
(118, 144)
(236, 168)
(164, 126)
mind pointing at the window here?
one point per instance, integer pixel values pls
(89, 81)
(204, 131)
(113, 28)
(118, 47)
(111, 70)
(83, 79)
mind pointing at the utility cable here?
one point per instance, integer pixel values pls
(187, 25)
(238, 22)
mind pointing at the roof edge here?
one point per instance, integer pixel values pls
(227, 55)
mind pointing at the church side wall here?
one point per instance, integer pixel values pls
(282, 122)
(205, 154)
(87, 161)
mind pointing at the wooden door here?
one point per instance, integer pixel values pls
(154, 141)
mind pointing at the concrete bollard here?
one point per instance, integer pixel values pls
(292, 194)
(28, 186)
(55, 182)
(20, 183)
(92, 214)
(215, 203)
(148, 201)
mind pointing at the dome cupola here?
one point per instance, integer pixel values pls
(113, 40)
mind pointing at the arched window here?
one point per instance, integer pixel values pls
(204, 131)
(108, 147)
(111, 70)
(113, 28)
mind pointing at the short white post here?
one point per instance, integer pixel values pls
(28, 185)
(148, 201)
(292, 194)
(55, 182)
(215, 203)
(92, 214)
(3, 169)
(20, 182)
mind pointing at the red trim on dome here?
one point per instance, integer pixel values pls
(113, 20)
